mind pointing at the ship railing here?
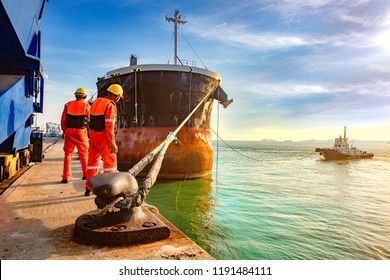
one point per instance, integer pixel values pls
(188, 62)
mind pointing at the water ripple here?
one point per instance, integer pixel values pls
(287, 204)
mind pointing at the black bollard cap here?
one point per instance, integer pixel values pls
(112, 184)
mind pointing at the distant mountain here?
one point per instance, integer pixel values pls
(268, 140)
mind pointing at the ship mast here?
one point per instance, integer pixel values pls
(176, 20)
(345, 133)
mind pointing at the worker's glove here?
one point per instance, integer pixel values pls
(113, 148)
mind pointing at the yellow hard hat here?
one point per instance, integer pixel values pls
(116, 89)
(81, 92)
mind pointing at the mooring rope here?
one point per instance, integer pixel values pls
(111, 206)
(170, 138)
(251, 158)
(109, 79)
(192, 48)
(207, 225)
(187, 158)
(151, 177)
(90, 99)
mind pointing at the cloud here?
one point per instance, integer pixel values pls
(289, 63)
(240, 36)
(325, 21)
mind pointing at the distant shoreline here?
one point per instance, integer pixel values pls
(308, 140)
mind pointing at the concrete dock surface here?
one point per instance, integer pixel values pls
(38, 214)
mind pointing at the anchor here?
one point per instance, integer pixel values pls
(121, 217)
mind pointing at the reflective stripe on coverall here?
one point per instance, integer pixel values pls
(101, 141)
(75, 137)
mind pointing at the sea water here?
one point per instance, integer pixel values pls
(278, 201)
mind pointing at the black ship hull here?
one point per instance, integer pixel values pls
(157, 98)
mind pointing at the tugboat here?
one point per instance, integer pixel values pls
(157, 98)
(342, 150)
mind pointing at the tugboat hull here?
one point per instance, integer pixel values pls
(331, 154)
(342, 150)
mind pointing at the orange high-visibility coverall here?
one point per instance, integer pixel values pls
(103, 118)
(75, 116)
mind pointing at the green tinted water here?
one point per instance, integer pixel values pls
(284, 203)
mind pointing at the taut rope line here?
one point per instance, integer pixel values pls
(254, 159)
(151, 177)
(186, 174)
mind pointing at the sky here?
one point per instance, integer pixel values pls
(296, 69)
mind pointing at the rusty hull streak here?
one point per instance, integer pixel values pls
(191, 157)
(157, 98)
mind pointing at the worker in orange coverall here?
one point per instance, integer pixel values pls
(74, 125)
(102, 143)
